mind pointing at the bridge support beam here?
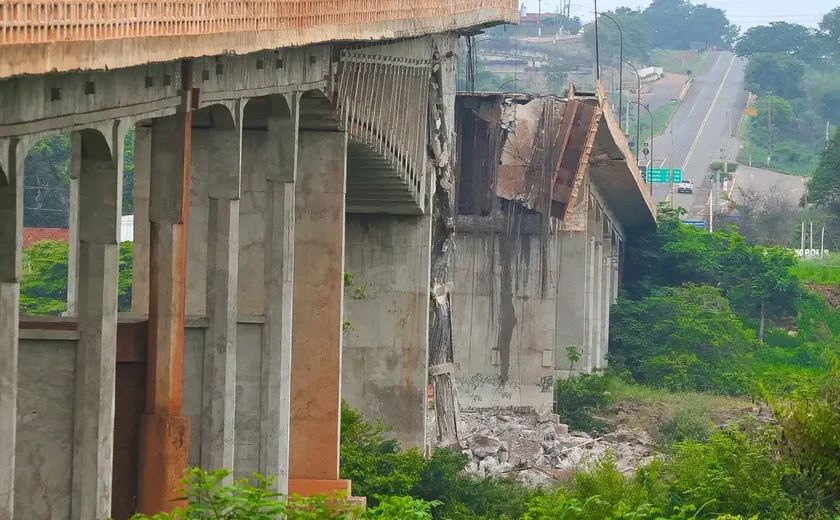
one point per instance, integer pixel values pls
(279, 268)
(317, 314)
(100, 205)
(12, 155)
(165, 432)
(223, 147)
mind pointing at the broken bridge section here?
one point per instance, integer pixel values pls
(547, 191)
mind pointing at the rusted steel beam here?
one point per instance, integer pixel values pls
(165, 433)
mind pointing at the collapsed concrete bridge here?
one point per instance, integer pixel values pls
(267, 163)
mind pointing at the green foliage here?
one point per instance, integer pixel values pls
(47, 182)
(677, 24)
(577, 397)
(209, 497)
(811, 423)
(634, 30)
(823, 188)
(680, 338)
(374, 464)
(686, 425)
(43, 288)
(802, 42)
(779, 74)
(723, 167)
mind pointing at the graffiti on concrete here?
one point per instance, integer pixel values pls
(546, 384)
(477, 385)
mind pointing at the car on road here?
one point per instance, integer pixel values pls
(685, 186)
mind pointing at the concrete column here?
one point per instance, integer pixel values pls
(279, 264)
(100, 189)
(73, 223)
(571, 299)
(598, 289)
(385, 355)
(12, 155)
(317, 315)
(165, 432)
(142, 229)
(606, 296)
(224, 146)
(591, 270)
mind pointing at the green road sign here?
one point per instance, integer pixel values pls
(661, 175)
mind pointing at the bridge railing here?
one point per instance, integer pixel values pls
(45, 21)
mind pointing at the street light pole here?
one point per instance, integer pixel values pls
(597, 53)
(620, 62)
(638, 107)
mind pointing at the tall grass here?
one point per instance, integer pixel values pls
(825, 271)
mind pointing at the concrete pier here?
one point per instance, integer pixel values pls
(317, 321)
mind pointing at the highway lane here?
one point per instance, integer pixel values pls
(701, 128)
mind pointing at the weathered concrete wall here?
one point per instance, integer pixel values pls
(385, 355)
(571, 306)
(504, 312)
(248, 381)
(44, 449)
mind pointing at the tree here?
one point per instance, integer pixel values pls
(781, 38)
(757, 281)
(823, 188)
(676, 24)
(46, 196)
(634, 30)
(43, 287)
(556, 74)
(680, 338)
(774, 121)
(766, 218)
(778, 74)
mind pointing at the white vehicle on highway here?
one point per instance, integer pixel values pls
(685, 186)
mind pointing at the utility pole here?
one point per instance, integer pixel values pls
(539, 15)
(811, 237)
(802, 241)
(822, 242)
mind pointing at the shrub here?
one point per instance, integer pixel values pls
(209, 498)
(811, 422)
(578, 396)
(686, 425)
(681, 338)
(376, 465)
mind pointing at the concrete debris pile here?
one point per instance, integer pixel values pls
(536, 449)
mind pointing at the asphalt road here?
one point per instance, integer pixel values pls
(700, 129)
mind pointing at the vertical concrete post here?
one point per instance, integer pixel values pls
(606, 296)
(318, 294)
(100, 188)
(598, 288)
(142, 229)
(279, 264)
(224, 145)
(12, 155)
(165, 432)
(73, 223)
(590, 284)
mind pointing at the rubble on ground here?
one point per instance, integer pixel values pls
(537, 449)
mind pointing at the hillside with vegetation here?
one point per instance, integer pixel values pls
(795, 73)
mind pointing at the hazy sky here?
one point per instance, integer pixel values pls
(745, 13)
